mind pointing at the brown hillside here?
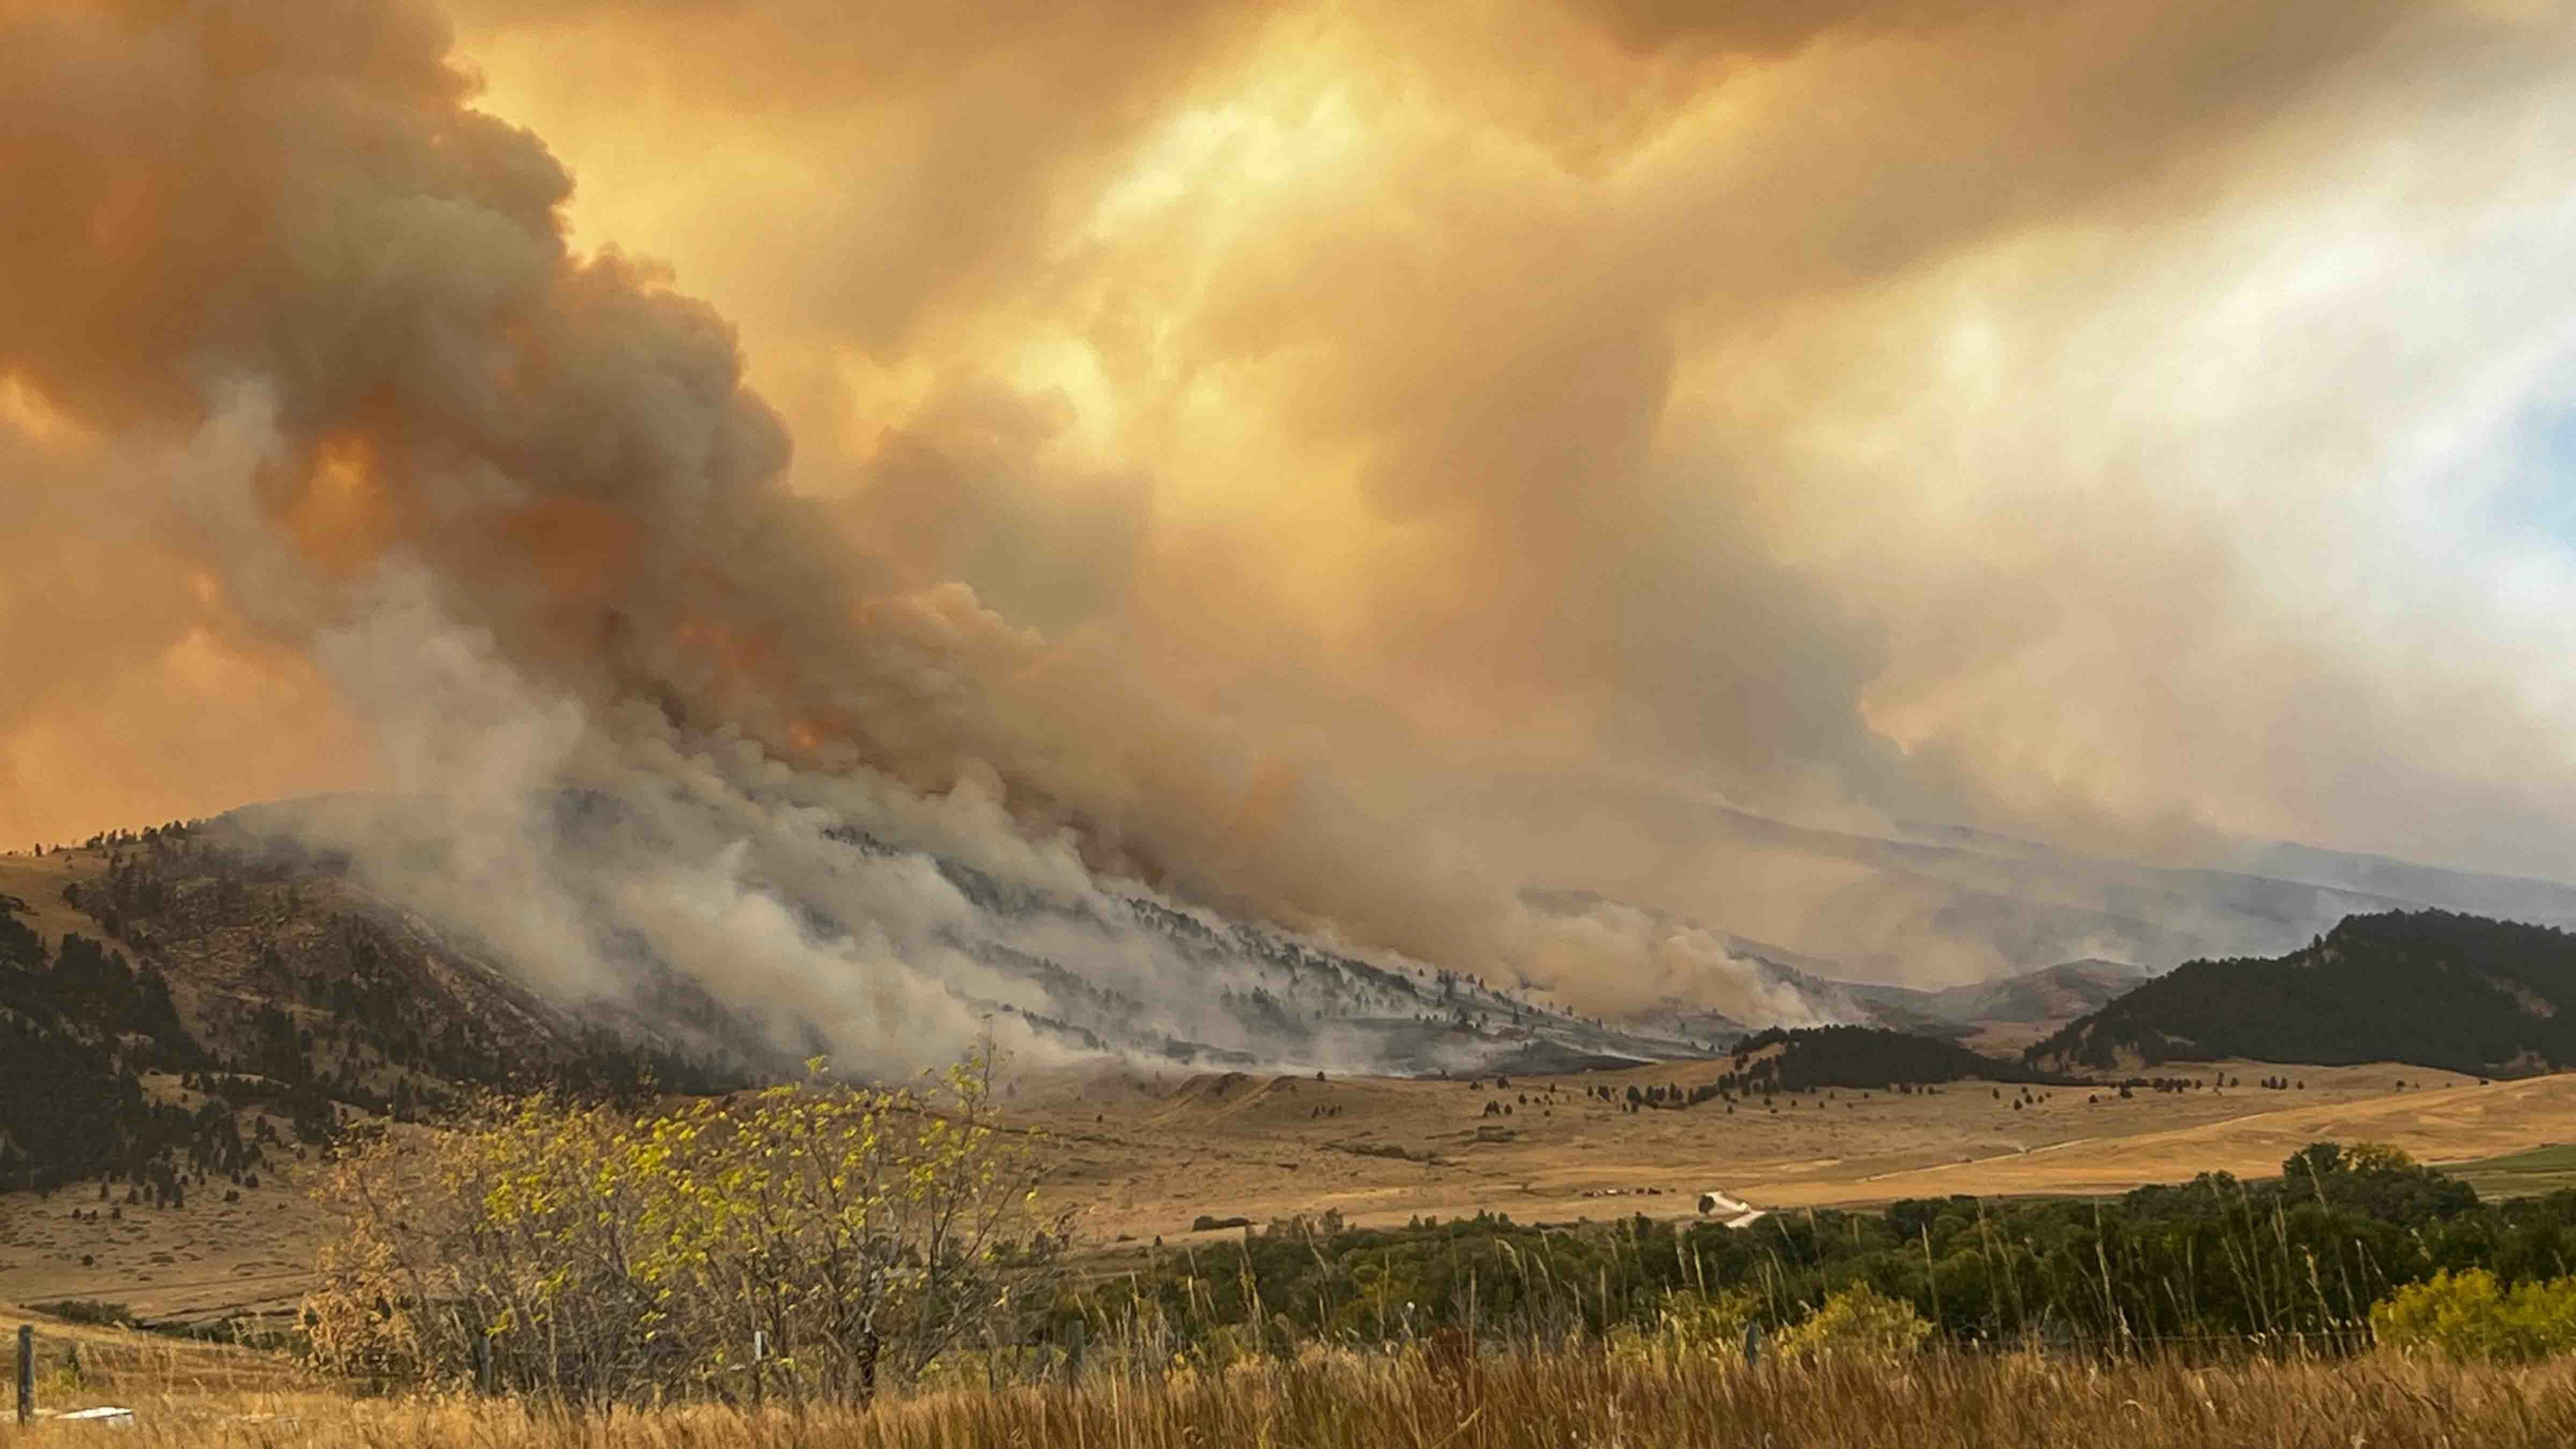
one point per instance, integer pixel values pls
(233, 937)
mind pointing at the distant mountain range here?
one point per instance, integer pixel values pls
(2009, 1011)
(1921, 901)
(1868, 921)
(2439, 989)
(2047, 997)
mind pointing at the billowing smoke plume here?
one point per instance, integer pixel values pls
(519, 510)
(1336, 466)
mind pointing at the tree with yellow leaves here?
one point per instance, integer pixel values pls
(854, 1233)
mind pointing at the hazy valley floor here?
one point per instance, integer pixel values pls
(1147, 1157)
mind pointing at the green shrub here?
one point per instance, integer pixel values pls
(2469, 1316)
(1689, 1325)
(85, 1310)
(1858, 1322)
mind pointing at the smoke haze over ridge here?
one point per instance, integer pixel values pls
(1336, 464)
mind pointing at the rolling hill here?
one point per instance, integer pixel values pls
(1866, 1057)
(1917, 901)
(2436, 988)
(169, 1008)
(2039, 1001)
(2014, 1009)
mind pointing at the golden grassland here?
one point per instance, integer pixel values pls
(1512, 1400)
(1142, 1157)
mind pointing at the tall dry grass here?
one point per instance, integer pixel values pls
(86, 1361)
(1334, 1401)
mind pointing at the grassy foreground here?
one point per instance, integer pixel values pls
(1330, 1401)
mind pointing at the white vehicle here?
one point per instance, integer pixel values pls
(1734, 1211)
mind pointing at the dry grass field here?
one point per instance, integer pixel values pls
(176, 1387)
(38, 881)
(1506, 1400)
(1148, 1156)
(206, 1261)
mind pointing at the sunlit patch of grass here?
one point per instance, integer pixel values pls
(2520, 1174)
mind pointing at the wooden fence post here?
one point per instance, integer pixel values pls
(26, 1372)
(483, 1364)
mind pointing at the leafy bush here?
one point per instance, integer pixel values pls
(1859, 1322)
(1689, 1325)
(2470, 1316)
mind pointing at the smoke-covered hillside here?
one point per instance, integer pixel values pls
(2050, 994)
(752, 929)
(1928, 907)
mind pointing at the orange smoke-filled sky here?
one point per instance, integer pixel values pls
(2136, 425)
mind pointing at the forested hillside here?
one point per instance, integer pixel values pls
(176, 1008)
(1807, 1059)
(1863, 1056)
(78, 1027)
(2431, 987)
